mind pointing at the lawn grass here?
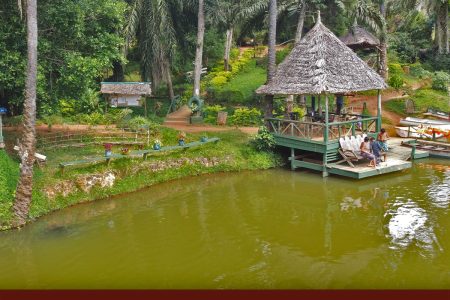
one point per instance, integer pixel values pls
(248, 80)
(423, 99)
(233, 153)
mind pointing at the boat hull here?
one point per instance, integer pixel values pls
(408, 132)
(435, 149)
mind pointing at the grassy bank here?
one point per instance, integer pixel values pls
(54, 190)
(423, 99)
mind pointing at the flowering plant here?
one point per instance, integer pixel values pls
(108, 146)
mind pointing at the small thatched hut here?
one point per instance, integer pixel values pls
(322, 64)
(359, 38)
(125, 93)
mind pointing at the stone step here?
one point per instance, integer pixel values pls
(184, 119)
(170, 122)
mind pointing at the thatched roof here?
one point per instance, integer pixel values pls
(359, 38)
(321, 63)
(127, 88)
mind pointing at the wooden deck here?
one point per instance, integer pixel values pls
(398, 158)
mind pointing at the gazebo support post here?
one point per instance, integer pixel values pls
(292, 159)
(379, 111)
(325, 134)
(325, 137)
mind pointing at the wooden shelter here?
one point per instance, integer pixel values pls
(322, 65)
(120, 94)
(359, 38)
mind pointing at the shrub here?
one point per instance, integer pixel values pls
(219, 81)
(211, 113)
(417, 71)
(440, 62)
(263, 141)
(53, 120)
(441, 81)
(13, 121)
(300, 111)
(231, 96)
(137, 123)
(395, 81)
(395, 69)
(246, 117)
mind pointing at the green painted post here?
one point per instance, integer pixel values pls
(324, 168)
(413, 152)
(292, 159)
(379, 111)
(325, 135)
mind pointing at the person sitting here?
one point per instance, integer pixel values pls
(365, 149)
(382, 138)
(377, 150)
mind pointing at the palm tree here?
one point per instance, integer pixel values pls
(199, 47)
(151, 21)
(271, 65)
(24, 189)
(439, 8)
(230, 14)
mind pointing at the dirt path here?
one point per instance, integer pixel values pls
(210, 128)
(357, 102)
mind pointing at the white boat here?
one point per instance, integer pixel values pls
(424, 133)
(409, 121)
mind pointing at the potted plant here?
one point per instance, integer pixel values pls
(125, 150)
(181, 138)
(108, 149)
(157, 145)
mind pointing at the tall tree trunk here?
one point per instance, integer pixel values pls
(442, 27)
(383, 43)
(118, 74)
(24, 189)
(301, 20)
(228, 46)
(169, 80)
(271, 65)
(199, 50)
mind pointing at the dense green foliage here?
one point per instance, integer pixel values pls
(78, 42)
(8, 180)
(81, 43)
(264, 140)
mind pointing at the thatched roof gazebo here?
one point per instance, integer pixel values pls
(322, 64)
(359, 38)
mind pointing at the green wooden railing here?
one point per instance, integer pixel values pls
(319, 131)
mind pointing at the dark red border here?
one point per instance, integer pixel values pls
(226, 294)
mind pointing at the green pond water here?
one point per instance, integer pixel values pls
(269, 229)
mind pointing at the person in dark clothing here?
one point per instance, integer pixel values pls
(339, 104)
(377, 150)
